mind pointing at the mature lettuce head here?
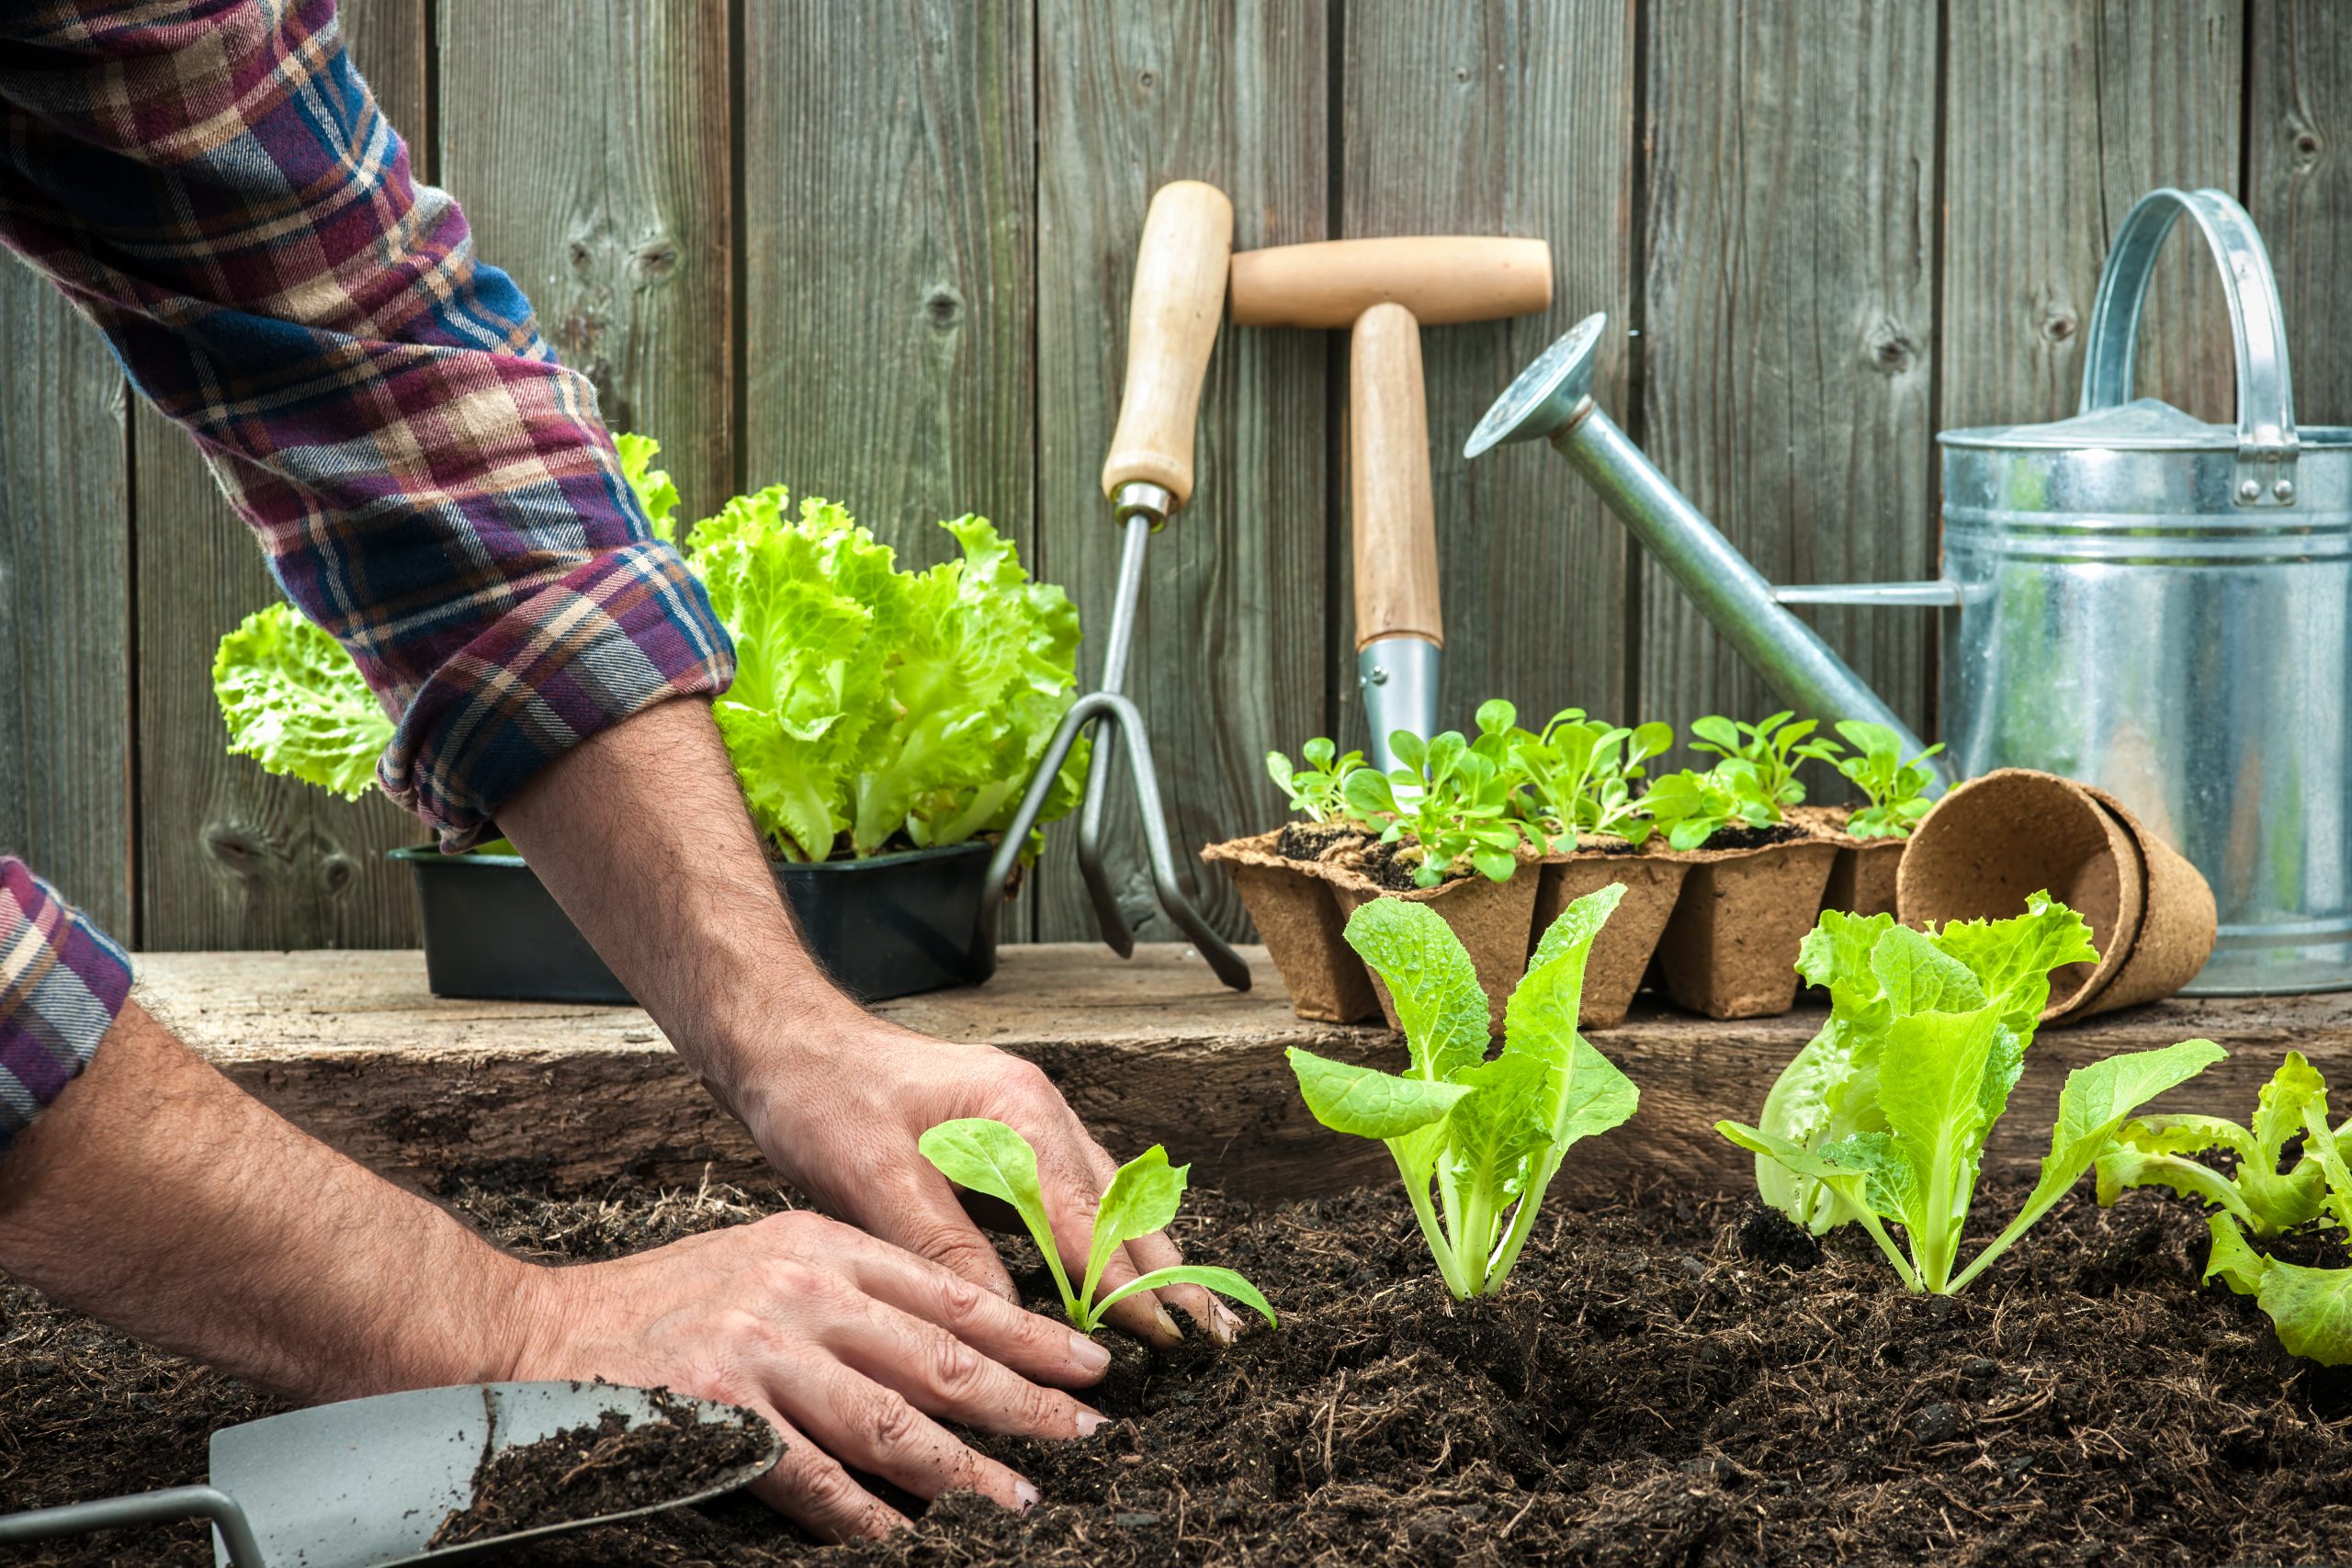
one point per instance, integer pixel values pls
(878, 703)
(870, 703)
(295, 704)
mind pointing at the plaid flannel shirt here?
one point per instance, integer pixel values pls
(213, 186)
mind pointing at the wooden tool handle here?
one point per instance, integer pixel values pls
(1441, 278)
(1388, 481)
(1172, 321)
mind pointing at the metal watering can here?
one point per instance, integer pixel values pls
(2153, 604)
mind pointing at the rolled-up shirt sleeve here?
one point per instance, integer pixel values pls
(62, 984)
(214, 186)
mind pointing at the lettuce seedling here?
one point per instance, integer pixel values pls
(1451, 801)
(992, 1157)
(1884, 1116)
(2153, 1151)
(2310, 1308)
(1487, 1132)
(1690, 807)
(1773, 746)
(1895, 790)
(1319, 790)
(1579, 775)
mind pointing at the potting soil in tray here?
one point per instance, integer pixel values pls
(1666, 1381)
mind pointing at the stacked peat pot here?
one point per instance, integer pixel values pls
(1723, 869)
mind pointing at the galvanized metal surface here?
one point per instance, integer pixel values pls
(1398, 676)
(2162, 607)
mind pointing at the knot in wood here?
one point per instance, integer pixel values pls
(237, 847)
(2308, 147)
(1890, 350)
(338, 870)
(2057, 324)
(944, 307)
(655, 260)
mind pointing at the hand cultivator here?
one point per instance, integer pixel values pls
(1171, 323)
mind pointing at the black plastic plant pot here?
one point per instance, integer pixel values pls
(888, 926)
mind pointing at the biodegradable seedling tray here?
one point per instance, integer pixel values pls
(1861, 881)
(1731, 948)
(1995, 840)
(1493, 919)
(1622, 953)
(1301, 924)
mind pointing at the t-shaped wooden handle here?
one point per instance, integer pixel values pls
(1441, 278)
(1388, 481)
(1172, 315)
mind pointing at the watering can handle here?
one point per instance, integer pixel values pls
(2266, 440)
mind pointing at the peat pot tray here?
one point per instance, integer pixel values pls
(352, 1045)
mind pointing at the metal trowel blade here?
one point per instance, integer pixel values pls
(365, 1484)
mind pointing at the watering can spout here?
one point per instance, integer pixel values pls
(1552, 400)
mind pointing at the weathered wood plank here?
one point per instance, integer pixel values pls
(1151, 1051)
(2300, 157)
(229, 857)
(1504, 120)
(889, 244)
(597, 173)
(2058, 118)
(1789, 310)
(1231, 655)
(65, 584)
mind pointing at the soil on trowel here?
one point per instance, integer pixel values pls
(1667, 1380)
(1313, 841)
(597, 1468)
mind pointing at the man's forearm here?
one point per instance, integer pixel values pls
(641, 835)
(157, 1195)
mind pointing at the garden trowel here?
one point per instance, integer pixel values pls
(366, 1482)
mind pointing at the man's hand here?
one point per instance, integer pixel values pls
(641, 834)
(841, 1124)
(854, 1349)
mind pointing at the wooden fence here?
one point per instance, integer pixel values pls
(880, 251)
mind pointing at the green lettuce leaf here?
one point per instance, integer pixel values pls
(294, 703)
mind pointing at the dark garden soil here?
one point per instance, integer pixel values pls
(1740, 836)
(1389, 866)
(602, 1467)
(1666, 1381)
(1313, 841)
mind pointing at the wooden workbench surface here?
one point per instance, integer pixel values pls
(1150, 1049)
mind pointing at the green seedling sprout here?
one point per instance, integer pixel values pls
(1690, 807)
(1453, 801)
(1894, 791)
(1476, 1138)
(1319, 790)
(1773, 746)
(989, 1156)
(1579, 774)
(2154, 1151)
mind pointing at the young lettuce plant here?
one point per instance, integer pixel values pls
(1895, 790)
(1488, 1133)
(1579, 775)
(2154, 1151)
(1690, 807)
(1773, 746)
(1319, 790)
(1928, 1036)
(2311, 1308)
(1452, 802)
(992, 1157)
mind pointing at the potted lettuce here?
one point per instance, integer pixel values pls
(883, 725)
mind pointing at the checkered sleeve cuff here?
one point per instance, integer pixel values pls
(62, 983)
(626, 630)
